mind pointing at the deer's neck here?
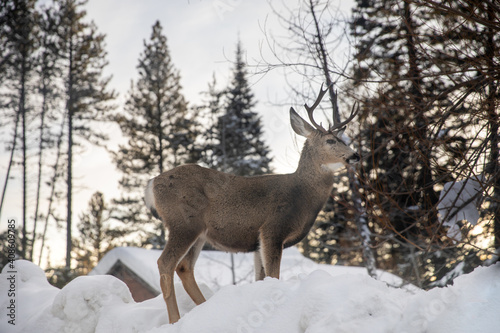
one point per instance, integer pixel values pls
(312, 173)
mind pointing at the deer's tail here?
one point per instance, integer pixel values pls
(149, 198)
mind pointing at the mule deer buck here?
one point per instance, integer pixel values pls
(242, 214)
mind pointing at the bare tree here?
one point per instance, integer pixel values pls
(315, 31)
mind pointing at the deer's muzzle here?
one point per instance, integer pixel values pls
(354, 158)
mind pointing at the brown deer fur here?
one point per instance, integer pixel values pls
(241, 214)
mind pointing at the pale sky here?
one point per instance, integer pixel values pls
(201, 36)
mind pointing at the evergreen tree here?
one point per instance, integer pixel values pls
(47, 70)
(97, 235)
(399, 172)
(239, 147)
(18, 36)
(10, 247)
(420, 120)
(470, 59)
(210, 111)
(404, 99)
(82, 58)
(160, 133)
(342, 233)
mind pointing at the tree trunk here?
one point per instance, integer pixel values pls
(22, 110)
(53, 188)
(494, 163)
(362, 225)
(429, 196)
(39, 178)
(161, 161)
(359, 212)
(69, 188)
(7, 176)
(70, 110)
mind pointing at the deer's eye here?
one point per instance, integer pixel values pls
(331, 141)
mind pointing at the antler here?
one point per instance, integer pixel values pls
(336, 118)
(310, 110)
(337, 124)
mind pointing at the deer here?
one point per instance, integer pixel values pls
(261, 214)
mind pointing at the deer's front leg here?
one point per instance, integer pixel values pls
(270, 253)
(260, 273)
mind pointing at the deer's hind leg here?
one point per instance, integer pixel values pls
(185, 270)
(260, 273)
(178, 245)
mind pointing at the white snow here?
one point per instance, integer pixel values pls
(312, 302)
(213, 268)
(458, 201)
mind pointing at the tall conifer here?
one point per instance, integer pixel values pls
(418, 72)
(18, 37)
(240, 148)
(96, 234)
(159, 130)
(83, 59)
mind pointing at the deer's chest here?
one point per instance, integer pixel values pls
(300, 228)
(295, 216)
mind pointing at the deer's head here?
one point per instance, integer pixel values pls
(326, 146)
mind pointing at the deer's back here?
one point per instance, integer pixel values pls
(232, 210)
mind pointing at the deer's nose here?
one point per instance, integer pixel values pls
(354, 158)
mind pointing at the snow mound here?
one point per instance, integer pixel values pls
(139, 260)
(458, 201)
(316, 303)
(28, 273)
(310, 303)
(214, 268)
(82, 300)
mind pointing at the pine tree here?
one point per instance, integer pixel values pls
(239, 147)
(470, 58)
(48, 113)
(18, 36)
(210, 111)
(398, 175)
(97, 235)
(160, 133)
(82, 57)
(342, 232)
(420, 119)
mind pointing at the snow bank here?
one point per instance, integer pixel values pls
(140, 261)
(214, 268)
(312, 303)
(458, 201)
(315, 303)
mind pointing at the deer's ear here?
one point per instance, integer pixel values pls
(299, 125)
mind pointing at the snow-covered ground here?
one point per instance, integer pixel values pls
(214, 268)
(313, 302)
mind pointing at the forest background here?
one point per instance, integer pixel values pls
(423, 203)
